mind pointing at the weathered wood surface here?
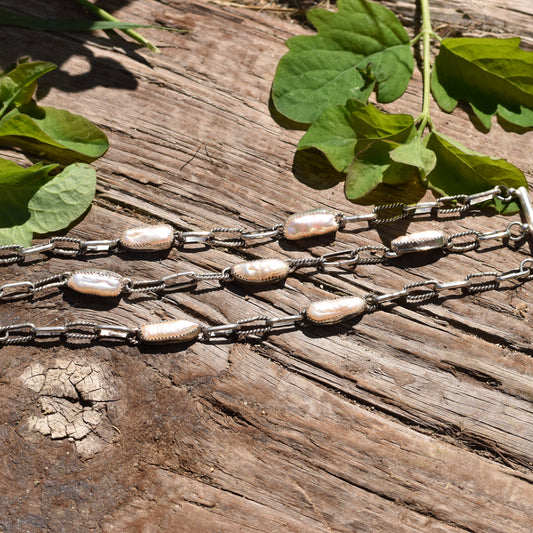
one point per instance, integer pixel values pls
(416, 418)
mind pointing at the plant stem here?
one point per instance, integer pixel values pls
(104, 15)
(424, 119)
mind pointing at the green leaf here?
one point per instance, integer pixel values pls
(494, 76)
(361, 46)
(461, 171)
(374, 166)
(33, 202)
(343, 130)
(416, 155)
(53, 134)
(17, 187)
(18, 84)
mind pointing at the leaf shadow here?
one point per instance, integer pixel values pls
(60, 47)
(282, 120)
(312, 168)
(509, 127)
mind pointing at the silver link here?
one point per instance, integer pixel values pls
(462, 207)
(144, 285)
(254, 326)
(481, 197)
(49, 331)
(491, 283)
(27, 289)
(12, 255)
(389, 207)
(193, 237)
(59, 280)
(352, 258)
(224, 330)
(526, 270)
(305, 262)
(99, 246)
(284, 321)
(176, 285)
(387, 297)
(81, 330)
(367, 217)
(422, 208)
(509, 192)
(450, 285)
(38, 248)
(523, 231)
(463, 246)
(225, 275)
(387, 253)
(497, 234)
(17, 333)
(110, 331)
(275, 231)
(416, 294)
(67, 251)
(510, 275)
(228, 243)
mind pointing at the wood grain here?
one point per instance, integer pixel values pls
(415, 418)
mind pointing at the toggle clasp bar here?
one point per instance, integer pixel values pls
(526, 206)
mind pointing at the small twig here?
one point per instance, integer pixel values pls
(104, 15)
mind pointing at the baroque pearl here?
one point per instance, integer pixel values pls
(96, 282)
(310, 224)
(148, 238)
(418, 242)
(335, 309)
(261, 271)
(169, 331)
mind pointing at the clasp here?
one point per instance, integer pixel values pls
(527, 209)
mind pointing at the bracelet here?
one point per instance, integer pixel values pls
(331, 311)
(309, 224)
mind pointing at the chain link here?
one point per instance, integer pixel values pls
(252, 327)
(26, 289)
(428, 289)
(444, 205)
(78, 331)
(257, 326)
(383, 214)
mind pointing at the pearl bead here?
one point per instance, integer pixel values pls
(96, 282)
(169, 331)
(148, 238)
(419, 242)
(261, 271)
(335, 310)
(310, 224)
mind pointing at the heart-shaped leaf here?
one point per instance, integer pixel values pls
(374, 166)
(494, 76)
(415, 154)
(33, 202)
(53, 134)
(461, 171)
(361, 46)
(342, 131)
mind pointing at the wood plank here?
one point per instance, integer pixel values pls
(416, 417)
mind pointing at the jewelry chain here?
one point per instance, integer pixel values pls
(257, 327)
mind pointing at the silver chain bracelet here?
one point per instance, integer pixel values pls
(105, 283)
